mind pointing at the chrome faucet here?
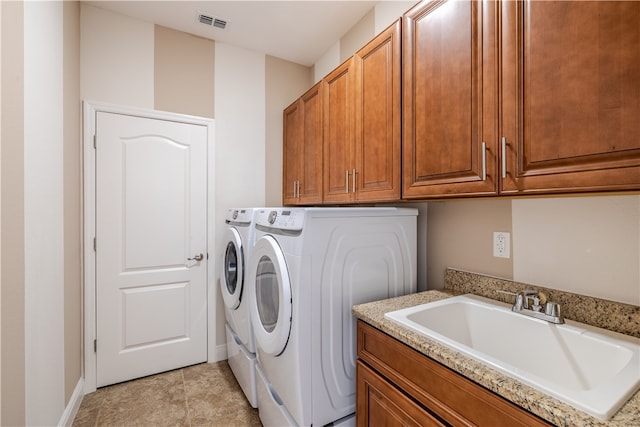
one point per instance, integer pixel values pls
(551, 313)
(522, 300)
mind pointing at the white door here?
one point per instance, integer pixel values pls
(151, 254)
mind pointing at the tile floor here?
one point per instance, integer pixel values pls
(199, 395)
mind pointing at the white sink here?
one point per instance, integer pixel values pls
(592, 369)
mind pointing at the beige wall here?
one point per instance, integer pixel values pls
(0, 215)
(12, 228)
(587, 244)
(72, 198)
(183, 73)
(386, 12)
(285, 82)
(41, 310)
(358, 36)
(460, 234)
(116, 58)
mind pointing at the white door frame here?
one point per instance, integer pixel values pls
(90, 110)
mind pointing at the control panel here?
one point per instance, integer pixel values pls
(238, 216)
(281, 219)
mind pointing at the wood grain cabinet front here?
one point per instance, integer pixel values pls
(570, 96)
(397, 383)
(450, 99)
(379, 403)
(302, 150)
(362, 124)
(520, 97)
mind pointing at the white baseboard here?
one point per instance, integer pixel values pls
(71, 410)
(219, 354)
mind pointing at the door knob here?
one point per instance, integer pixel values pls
(198, 257)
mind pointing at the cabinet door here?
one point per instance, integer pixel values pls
(338, 93)
(378, 403)
(571, 96)
(377, 113)
(310, 177)
(292, 144)
(450, 99)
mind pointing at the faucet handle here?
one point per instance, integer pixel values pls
(520, 302)
(536, 304)
(552, 309)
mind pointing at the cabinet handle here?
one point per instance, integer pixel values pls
(346, 182)
(354, 180)
(504, 157)
(298, 189)
(484, 161)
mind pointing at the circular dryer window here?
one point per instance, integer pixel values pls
(231, 267)
(271, 313)
(231, 280)
(267, 291)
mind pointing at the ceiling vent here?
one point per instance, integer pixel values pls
(212, 21)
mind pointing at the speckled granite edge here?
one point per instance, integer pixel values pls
(545, 406)
(611, 315)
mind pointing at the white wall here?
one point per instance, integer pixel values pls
(586, 245)
(116, 58)
(240, 126)
(44, 227)
(240, 138)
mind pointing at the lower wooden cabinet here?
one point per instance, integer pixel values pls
(397, 385)
(380, 403)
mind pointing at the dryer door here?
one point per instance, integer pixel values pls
(271, 304)
(232, 277)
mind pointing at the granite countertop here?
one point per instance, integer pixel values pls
(545, 406)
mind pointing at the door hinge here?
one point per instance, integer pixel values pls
(95, 141)
(94, 244)
(95, 346)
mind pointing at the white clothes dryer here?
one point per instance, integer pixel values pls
(238, 243)
(309, 267)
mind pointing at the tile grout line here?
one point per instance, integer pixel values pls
(95, 424)
(186, 397)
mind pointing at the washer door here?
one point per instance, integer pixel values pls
(271, 306)
(232, 278)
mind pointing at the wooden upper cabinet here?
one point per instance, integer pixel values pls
(292, 144)
(377, 112)
(310, 187)
(338, 88)
(362, 124)
(302, 148)
(450, 108)
(571, 96)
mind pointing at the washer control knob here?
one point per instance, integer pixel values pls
(272, 216)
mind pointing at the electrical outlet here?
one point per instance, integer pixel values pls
(501, 244)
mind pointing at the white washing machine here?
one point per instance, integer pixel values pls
(309, 267)
(238, 243)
